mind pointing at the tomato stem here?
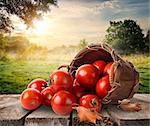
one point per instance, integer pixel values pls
(93, 102)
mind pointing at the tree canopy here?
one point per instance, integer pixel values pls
(126, 36)
(26, 10)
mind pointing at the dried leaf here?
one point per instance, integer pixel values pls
(86, 114)
(126, 105)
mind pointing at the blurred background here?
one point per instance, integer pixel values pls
(38, 36)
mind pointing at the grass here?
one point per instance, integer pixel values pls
(15, 74)
(142, 64)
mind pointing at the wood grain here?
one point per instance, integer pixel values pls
(142, 97)
(124, 118)
(11, 112)
(44, 116)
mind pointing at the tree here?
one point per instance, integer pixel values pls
(26, 10)
(14, 44)
(126, 36)
(17, 44)
(83, 43)
(147, 40)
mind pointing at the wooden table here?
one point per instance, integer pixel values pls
(12, 114)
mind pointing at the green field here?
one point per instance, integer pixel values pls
(142, 64)
(15, 74)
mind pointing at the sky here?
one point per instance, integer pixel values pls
(74, 20)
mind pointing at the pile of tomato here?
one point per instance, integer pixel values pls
(90, 86)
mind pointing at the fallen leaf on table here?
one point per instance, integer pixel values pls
(86, 114)
(126, 105)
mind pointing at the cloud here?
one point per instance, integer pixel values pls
(78, 19)
(113, 4)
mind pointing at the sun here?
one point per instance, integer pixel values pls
(42, 30)
(40, 27)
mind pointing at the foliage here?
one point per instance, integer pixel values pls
(14, 44)
(126, 36)
(83, 43)
(3, 46)
(26, 10)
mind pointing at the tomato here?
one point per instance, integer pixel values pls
(87, 75)
(30, 99)
(107, 68)
(78, 91)
(103, 86)
(47, 95)
(52, 87)
(38, 84)
(62, 102)
(90, 101)
(61, 81)
(100, 65)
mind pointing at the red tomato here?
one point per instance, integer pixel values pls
(107, 68)
(78, 91)
(100, 65)
(103, 86)
(62, 102)
(87, 75)
(61, 81)
(38, 84)
(90, 101)
(52, 88)
(47, 95)
(30, 99)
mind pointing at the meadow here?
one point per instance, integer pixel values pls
(16, 74)
(142, 64)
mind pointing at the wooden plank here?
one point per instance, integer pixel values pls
(11, 112)
(8, 100)
(124, 118)
(44, 116)
(142, 97)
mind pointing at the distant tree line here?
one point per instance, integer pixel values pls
(18, 46)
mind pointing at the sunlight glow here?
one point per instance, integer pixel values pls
(41, 27)
(40, 31)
